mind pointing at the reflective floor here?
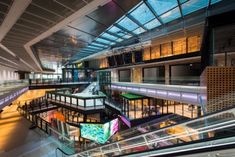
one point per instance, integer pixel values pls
(17, 140)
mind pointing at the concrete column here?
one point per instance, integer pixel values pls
(167, 74)
(114, 75)
(136, 74)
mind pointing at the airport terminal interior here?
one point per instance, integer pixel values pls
(108, 78)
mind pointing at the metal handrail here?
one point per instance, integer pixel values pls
(202, 130)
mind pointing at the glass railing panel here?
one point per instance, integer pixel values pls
(58, 98)
(206, 127)
(95, 152)
(74, 101)
(67, 99)
(111, 147)
(62, 98)
(136, 141)
(81, 102)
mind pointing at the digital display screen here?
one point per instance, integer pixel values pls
(99, 133)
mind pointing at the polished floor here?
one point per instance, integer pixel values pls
(17, 140)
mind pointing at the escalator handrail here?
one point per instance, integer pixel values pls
(64, 153)
(184, 123)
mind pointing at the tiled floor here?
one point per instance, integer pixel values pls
(16, 140)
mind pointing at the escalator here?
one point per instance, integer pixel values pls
(212, 130)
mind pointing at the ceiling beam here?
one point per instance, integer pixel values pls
(16, 10)
(76, 15)
(14, 55)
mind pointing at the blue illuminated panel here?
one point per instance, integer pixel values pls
(152, 24)
(111, 37)
(142, 14)
(127, 36)
(162, 6)
(93, 47)
(128, 24)
(192, 6)
(215, 1)
(117, 31)
(119, 40)
(170, 15)
(104, 41)
(100, 45)
(139, 30)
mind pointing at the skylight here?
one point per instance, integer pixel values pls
(162, 6)
(170, 15)
(142, 14)
(193, 5)
(145, 16)
(128, 24)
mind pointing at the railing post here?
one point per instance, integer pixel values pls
(84, 103)
(94, 103)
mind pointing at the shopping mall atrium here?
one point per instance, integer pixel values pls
(108, 78)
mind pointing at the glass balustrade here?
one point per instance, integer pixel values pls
(208, 127)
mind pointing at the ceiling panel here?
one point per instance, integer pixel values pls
(3, 8)
(127, 5)
(109, 9)
(42, 13)
(73, 4)
(88, 25)
(52, 7)
(8, 2)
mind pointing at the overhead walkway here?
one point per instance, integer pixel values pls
(58, 85)
(185, 94)
(87, 100)
(10, 90)
(211, 127)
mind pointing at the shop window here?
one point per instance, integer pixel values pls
(166, 50)
(155, 52)
(146, 55)
(194, 43)
(179, 46)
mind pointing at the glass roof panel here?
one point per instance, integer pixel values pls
(170, 15)
(152, 24)
(97, 44)
(117, 31)
(182, 1)
(89, 49)
(142, 14)
(193, 5)
(93, 47)
(139, 30)
(108, 36)
(215, 1)
(127, 36)
(128, 24)
(162, 6)
(119, 40)
(103, 41)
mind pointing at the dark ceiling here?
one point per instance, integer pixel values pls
(39, 16)
(67, 42)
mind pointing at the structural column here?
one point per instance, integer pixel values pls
(167, 74)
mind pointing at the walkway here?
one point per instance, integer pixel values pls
(16, 140)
